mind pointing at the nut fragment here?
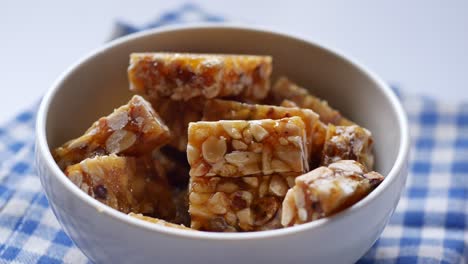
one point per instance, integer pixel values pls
(278, 186)
(224, 169)
(290, 180)
(218, 203)
(288, 210)
(218, 224)
(227, 187)
(266, 160)
(239, 145)
(258, 132)
(256, 147)
(213, 149)
(245, 218)
(196, 211)
(198, 198)
(232, 130)
(231, 218)
(240, 158)
(263, 189)
(265, 209)
(291, 158)
(76, 177)
(199, 170)
(118, 120)
(279, 166)
(204, 185)
(119, 141)
(247, 135)
(193, 154)
(241, 199)
(283, 141)
(299, 198)
(252, 181)
(348, 165)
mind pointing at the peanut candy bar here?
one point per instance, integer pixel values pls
(133, 129)
(127, 184)
(177, 115)
(327, 190)
(239, 148)
(231, 110)
(159, 221)
(284, 89)
(348, 143)
(238, 204)
(181, 76)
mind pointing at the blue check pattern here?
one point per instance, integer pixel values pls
(429, 225)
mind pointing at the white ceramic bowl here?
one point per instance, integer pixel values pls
(98, 83)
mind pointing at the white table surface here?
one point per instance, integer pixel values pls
(419, 45)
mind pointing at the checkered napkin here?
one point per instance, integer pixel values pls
(429, 225)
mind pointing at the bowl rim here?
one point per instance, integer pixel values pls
(44, 150)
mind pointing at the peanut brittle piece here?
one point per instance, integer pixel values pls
(348, 143)
(231, 110)
(230, 148)
(248, 203)
(159, 221)
(177, 115)
(181, 76)
(284, 89)
(133, 129)
(327, 190)
(127, 184)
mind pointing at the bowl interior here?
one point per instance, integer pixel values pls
(99, 84)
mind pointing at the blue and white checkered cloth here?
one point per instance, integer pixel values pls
(429, 225)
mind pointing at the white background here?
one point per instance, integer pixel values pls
(422, 46)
